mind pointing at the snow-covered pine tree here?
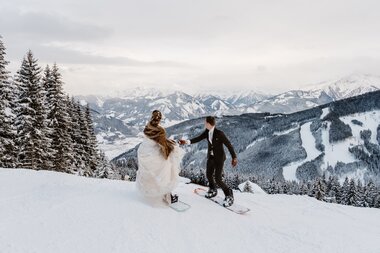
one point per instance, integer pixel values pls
(304, 190)
(47, 84)
(319, 189)
(275, 187)
(376, 202)
(78, 131)
(310, 187)
(294, 188)
(7, 129)
(360, 194)
(329, 183)
(247, 187)
(59, 121)
(268, 186)
(104, 169)
(345, 192)
(370, 193)
(352, 196)
(73, 130)
(335, 190)
(285, 187)
(31, 116)
(90, 143)
(93, 143)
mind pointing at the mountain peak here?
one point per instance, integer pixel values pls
(348, 86)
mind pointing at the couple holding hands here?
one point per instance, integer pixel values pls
(159, 161)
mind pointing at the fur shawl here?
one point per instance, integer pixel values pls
(158, 134)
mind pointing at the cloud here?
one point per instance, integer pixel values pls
(65, 55)
(275, 45)
(36, 25)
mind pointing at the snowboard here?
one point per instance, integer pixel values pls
(180, 206)
(219, 200)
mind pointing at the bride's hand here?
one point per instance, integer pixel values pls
(181, 142)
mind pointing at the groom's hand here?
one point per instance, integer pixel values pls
(234, 162)
(182, 142)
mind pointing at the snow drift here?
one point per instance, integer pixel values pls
(44, 211)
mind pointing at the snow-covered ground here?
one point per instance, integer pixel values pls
(308, 143)
(53, 212)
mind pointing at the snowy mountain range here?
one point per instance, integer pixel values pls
(120, 118)
(322, 93)
(341, 138)
(46, 211)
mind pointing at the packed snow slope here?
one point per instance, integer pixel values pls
(43, 211)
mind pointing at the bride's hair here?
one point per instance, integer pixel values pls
(156, 118)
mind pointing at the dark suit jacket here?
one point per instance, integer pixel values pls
(218, 139)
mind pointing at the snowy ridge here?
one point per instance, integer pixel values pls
(322, 93)
(348, 86)
(47, 212)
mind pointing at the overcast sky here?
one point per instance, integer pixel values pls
(268, 46)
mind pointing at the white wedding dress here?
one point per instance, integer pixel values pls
(156, 176)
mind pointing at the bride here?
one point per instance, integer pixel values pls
(159, 161)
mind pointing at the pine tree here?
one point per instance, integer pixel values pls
(376, 202)
(345, 192)
(77, 136)
(104, 169)
(270, 186)
(7, 130)
(285, 187)
(310, 187)
(31, 116)
(319, 189)
(370, 194)
(352, 196)
(73, 130)
(335, 190)
(59, 122)
(47, 84)
(360, 194)
(304, 190)
(89, 143)
(247, 187)
(328, 182)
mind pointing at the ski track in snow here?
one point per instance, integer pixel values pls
(335, 152)
(308, 143)
(325, 111)
(44, 212)
(370, 121)
(339, 151)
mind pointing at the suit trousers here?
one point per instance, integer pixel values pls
(214, 173)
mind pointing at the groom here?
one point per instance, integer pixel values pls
(215, 159)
